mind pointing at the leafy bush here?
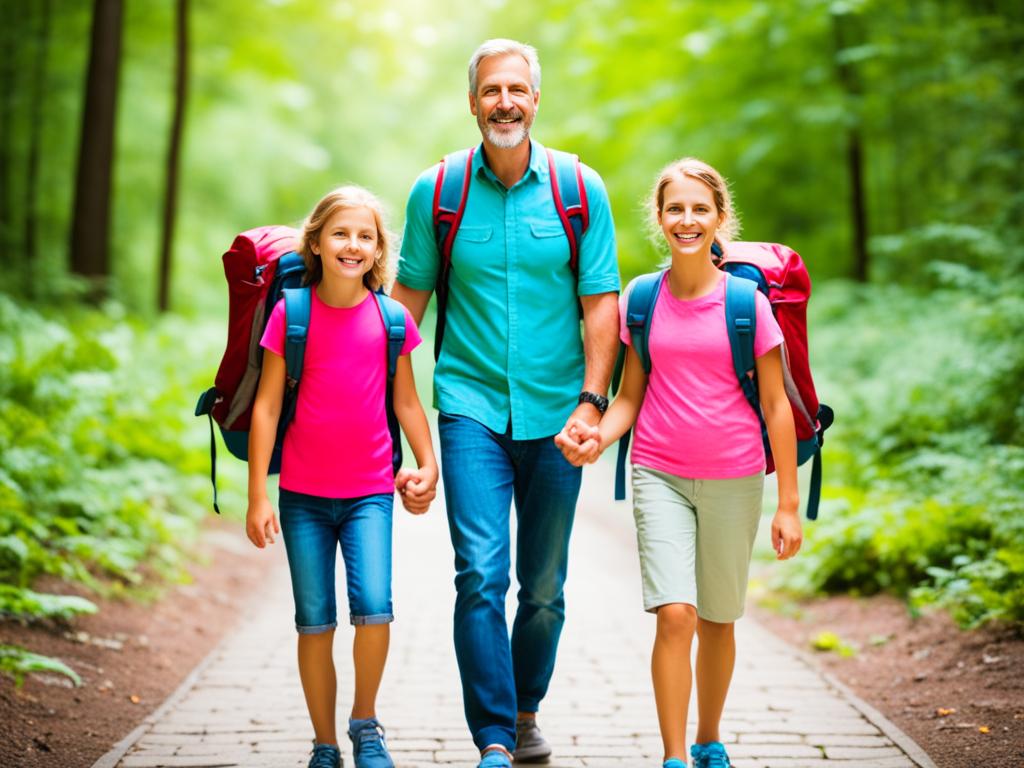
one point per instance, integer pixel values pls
(925, 466)
(98, 483)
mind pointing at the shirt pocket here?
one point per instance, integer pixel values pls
(547, 230)
(474, 234)
(548, 250)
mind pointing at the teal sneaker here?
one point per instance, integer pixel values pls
(495, 756)
(674, 762)
(325, 756)
(710, 755)
(368, 747)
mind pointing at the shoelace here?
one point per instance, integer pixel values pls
(716, 760)
(371, 740)
(324, 756)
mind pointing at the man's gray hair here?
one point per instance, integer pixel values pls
(500, 46)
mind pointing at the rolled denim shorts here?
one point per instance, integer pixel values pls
(313, 526)
(695, 539)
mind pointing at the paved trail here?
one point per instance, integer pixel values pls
(243, 705)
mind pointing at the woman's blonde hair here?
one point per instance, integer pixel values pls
(350, 196)
(694, 169)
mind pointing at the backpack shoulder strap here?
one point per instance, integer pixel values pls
(394, 326)
(570, 195)
(298, 303)
(741, 325)
(393, 315)
(451, 189)
(643, 297)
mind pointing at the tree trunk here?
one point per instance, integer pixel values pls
(90, 227)
(174, 156)
(39, 92)
(858, 214)
(851, 85)
(8, 40)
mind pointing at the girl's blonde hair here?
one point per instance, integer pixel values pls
(350, 196)
(694, 169)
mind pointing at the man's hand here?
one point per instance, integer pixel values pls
(417, 487)
(261, 523)
(579, 441)
(787, 534)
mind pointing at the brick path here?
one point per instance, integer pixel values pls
(243, 705)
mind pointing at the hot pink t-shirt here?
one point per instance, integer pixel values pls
(694, 421)
(339, 446)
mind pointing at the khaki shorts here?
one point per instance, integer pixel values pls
(695, 538)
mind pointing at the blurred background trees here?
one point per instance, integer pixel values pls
(881, 140)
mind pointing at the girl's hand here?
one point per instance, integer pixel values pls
(579, 442)
(417, 487)
(787, 534)
(261, 523)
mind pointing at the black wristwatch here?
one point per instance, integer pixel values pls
(598, 401)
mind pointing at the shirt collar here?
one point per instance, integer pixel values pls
(538, 163)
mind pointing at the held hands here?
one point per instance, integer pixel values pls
(417, 487)
(261, 523)
(787, 534)
(579, 442)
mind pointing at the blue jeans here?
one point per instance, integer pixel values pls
(483, 473)
(312, 527)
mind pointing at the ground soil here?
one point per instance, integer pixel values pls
(131, 656)
(958, 694)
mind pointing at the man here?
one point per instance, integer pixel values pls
(512, 371)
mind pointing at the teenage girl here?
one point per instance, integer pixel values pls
(698, 459)
(336, 472)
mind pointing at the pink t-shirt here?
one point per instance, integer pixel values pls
(694, 421)
(338, 445)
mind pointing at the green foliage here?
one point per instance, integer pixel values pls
(26, 603)
(830, 641)
(97, 482)
(925, 466)
(17, 662)
(320, 94)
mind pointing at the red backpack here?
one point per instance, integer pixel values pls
(779, 273)
(258, 266)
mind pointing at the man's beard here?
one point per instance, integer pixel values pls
(505, 138)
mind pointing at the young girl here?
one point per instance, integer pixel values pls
(698, 460)
(336, 473)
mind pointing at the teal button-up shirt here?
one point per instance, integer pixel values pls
(513, 350)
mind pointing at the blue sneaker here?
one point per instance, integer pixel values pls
(325, 756)
(674, 762)
(710, 755)
(368, 747)
(495, 756)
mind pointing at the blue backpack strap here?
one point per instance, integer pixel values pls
(297, 308)
(205, 408)
(451, 189)
(298, 303)
(825, 418)
(642, 299)
(741, 324)
(570, 196)
(393, 315)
